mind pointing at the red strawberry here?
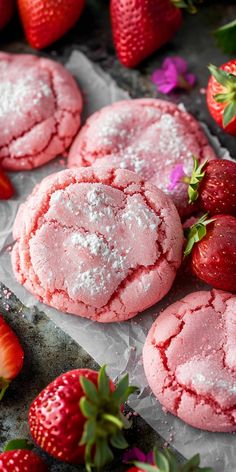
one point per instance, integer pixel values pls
(221, 96)
(6, 11)
(213, 246)
(11, 356)
(6, 188)
(213, 184)
(19, 457)
(77, 418)
(45, 21)
(141, 27)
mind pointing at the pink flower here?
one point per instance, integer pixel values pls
(177, 175)
(173, 75)
(136, 454)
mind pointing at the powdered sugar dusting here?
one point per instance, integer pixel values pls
(13, 95)
(139, 214)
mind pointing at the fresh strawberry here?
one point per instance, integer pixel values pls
(6, 188)
(166, 461)
(141, 27)
(6, 11)
(17, 456)
(78, 417)
(212, 244)
(45, 21)
(213, 184)
(11, 356)
(221, 96)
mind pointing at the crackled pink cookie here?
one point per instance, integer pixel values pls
(98, 243)
(40, 107)
(149, 136)
(190, 360)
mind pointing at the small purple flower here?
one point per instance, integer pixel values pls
(173, 75)
(177, 175)
(136, 454)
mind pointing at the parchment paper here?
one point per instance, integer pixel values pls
(119, 345)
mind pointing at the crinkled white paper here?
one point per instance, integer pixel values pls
(118, 345)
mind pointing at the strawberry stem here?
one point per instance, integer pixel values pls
(196, 233)
(188, 5)
(195, 179)
(166, 461)
(105, 421)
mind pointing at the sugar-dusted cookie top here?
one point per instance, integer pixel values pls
(40, 108)
(99, 243)
(190, 360)
(149, 136)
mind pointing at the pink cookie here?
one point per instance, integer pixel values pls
(190, 360)
(98, 243)
(40, 107)
(150, 137)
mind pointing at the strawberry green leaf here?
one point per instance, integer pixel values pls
(161, 461)
(226, 37)
(196, 233)
(188, 5)
(103, 454)
(220, 75)
(113, 419)
(195, 179)
(103, 382)
(89, 389)
(118, 441)
(192, 464)
(88, 409)
(89, 433)
(229, 113)
(146, 467)
(4, 384)
(16, 444)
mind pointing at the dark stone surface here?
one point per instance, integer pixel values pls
(48, 351)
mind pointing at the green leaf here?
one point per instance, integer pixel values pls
(88, 409)
(118, 441)
(4, 384)
(103, 383)
(120, 393)
(195, 179)
(113, 419)
(15, 444)
(88, 457)
(192, 464)
(196, 232)
(89, 432)
(103, 454)
(226, 37)
(221, 97)
(229, 113)
(146, 467)
(161, 461)
(174, 465)
(220, 75)
(89, 389)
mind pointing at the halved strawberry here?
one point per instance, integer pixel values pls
(11, 356)
(6, 187)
